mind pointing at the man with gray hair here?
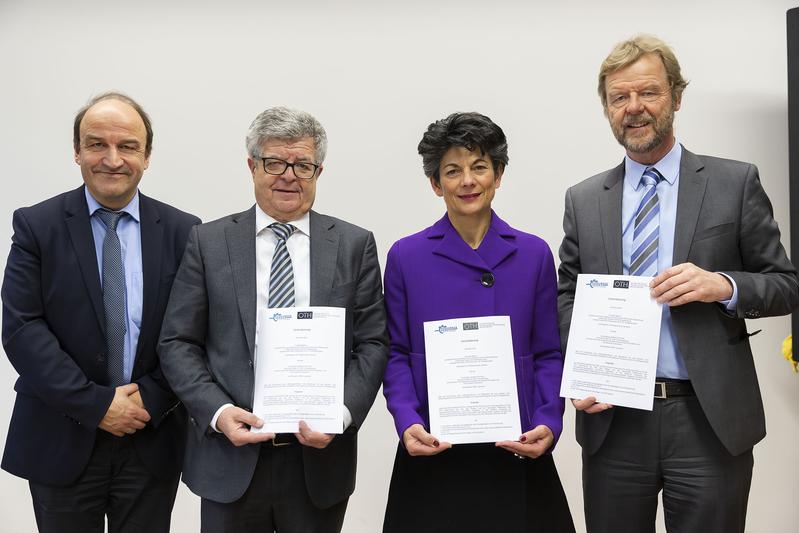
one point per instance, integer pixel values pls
(702, 227)
(261, 481)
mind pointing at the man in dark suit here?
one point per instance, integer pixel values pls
(95, 428)
(703, 226)
(260, 481)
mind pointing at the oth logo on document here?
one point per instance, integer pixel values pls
(621, 284)
(595, 283)
(304, 315)
(446, 329)
(468, 326)
(278, 316)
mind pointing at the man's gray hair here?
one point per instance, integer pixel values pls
(286, 124)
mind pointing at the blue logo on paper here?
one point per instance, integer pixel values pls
(445, 329)
(277, 316)
(596, 283)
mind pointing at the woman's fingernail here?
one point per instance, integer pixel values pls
(436, 443)
(522, 438)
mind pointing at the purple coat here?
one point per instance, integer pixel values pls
(435, 275)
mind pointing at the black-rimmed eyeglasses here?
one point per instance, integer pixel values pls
(302, 169)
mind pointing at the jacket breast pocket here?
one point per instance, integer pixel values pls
(714, 231)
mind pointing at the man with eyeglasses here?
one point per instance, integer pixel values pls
(279, 253)
(96, 429)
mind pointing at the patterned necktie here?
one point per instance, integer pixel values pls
(644, 258)
(114, 297)
(281, 279)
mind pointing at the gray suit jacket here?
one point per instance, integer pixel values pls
(207, 346)
(724, 224)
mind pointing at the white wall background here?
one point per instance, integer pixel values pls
(376, 75)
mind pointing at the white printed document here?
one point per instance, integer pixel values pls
(612, 350)
(471, 380)
(299, 369)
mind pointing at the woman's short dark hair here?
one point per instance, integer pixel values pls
(473, 131)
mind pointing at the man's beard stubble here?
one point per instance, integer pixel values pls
(662, 131)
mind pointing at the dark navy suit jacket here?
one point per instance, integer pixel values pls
(53, 324)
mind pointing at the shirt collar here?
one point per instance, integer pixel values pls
(262, 221)
(131, 209)
(668, 166)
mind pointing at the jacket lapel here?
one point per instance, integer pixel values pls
(324, 257)
(610, 218)
(498, 244)
(76, 212)
(452, 245)
(690, 195)
(240, 237)
(152, 233)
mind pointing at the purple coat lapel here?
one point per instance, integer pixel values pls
(495, 248)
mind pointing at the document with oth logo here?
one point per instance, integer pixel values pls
(471, 380)
(612, 350)
(299, 369)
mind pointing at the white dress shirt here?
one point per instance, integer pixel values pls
(299, 248)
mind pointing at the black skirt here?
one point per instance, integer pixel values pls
(475, 488)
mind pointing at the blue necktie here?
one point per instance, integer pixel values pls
(281, 279)
(644, 258)
(114, 297)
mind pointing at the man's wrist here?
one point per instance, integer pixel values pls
(216, 416)
(730, 304)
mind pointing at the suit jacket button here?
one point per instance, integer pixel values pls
(193, 421)
(250, 363)
(101, 357)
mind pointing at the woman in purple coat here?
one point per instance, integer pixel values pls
(471, 263)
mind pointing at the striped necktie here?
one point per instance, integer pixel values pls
(281, 279)
(644, 258)
(114, 297)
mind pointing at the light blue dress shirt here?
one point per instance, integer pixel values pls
(670, 361)
(129, 232)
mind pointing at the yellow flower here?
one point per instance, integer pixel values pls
(787, 351)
